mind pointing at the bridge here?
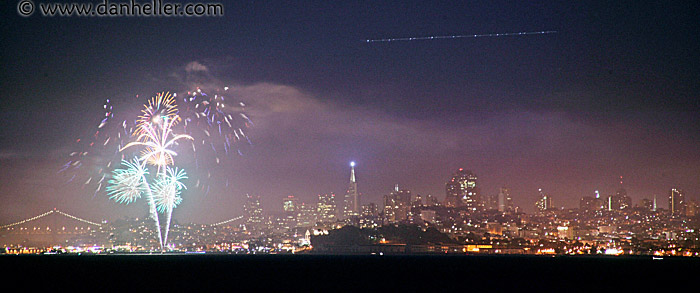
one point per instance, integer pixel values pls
(46, 214)
(36, 232)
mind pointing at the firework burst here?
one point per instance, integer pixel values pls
(167, 189)
(127, 184)
(159, 108)
(208, 128)
(157, 137)
(154, 132)
(216, 123)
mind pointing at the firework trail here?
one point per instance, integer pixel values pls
(459, 36)
(128, 184)
(219, 127)
(154, 132)
(167, 193)
(100, 149)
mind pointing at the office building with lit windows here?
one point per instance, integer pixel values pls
(326, 208)
(252, 212)
(545, 201)
(462, 190)
(397, 205)
(676, 202)
(505, 202)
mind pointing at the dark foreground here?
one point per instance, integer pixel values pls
(293, 273)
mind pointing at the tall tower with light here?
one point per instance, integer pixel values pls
(352, 205)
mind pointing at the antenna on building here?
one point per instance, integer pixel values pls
(352, 171)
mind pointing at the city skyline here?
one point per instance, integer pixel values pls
(613, 200)
(602, 91)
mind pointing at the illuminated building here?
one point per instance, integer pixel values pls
(397, 205)
(625, 202)
(289, 217)
(287, 221)
(462, 190)
(351, 205)
(418, 202)
(648, 204)
(490, 202)
(428, 216)
(505, 202)
(692, 209)
(565, 232)
(590, 204)
(326, 208)
(289, 204)
(306, 215)
(370, 210)
(586, 204)
(494, 228)
(676, 202)
(545, 201)
(369, 217)
(598, 202)
(619, 201)
(252, 212)
(431, 200)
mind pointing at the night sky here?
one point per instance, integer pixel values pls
(615, 92)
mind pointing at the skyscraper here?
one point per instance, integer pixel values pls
(370, 210)
(692, 208)
(252, 212)
(431, 200)
(545, 201)
(397, 205)
(647, 204)
(490, 201)
(290, 204)
(306, 215)
(676, 202)
(352, 205)
(625, 202)
(505, 202)
(598, 202)
(418, 201)
(586, 204)
(619, 201)
(291, 208)
(462, 190)
(326, 208)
